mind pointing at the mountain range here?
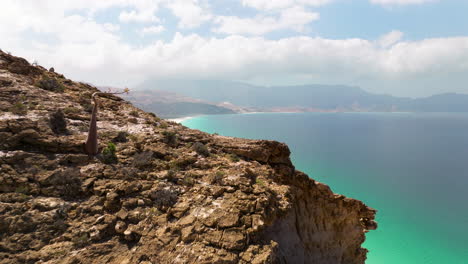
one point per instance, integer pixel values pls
(230, 96)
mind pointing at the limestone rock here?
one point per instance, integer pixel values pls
(176, 195)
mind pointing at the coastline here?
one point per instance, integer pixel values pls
(179, 120)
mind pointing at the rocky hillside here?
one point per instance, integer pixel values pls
(159, 193)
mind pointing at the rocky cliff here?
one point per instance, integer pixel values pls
(172, 195)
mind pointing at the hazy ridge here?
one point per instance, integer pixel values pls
(305, 98)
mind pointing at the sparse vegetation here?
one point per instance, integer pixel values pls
(50, 84)
(80, 240)
(22, 189)
(133, 137)
(108, 154)
(57, 122)
(149, 122)
(121, 137)
(233, 157)
(217, 177)
(156, 119)
(169, 137)
(87, 107)
(201, 149)
(71, 110)
(143, 159)
(188, 180)
(19, 109)
(133, 120)
(152, 212)
(260, 182)
(171, 175)
(182, 163)
(164, 198)
(134, 113)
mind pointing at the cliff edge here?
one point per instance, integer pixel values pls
(169, 194)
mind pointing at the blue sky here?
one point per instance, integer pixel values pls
(400, 47)
(361, 19)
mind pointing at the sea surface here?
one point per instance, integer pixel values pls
(411, 167)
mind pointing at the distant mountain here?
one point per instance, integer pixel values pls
(306, 97)
(449, 102)
(172, 105)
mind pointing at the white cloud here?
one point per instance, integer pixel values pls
(317, 60)
(401, 2)
(278, 4)
(111, 27)
(390, 38)
(138, 16)
(152, 30)
(86, 50)
(294, 18)
(189, 12)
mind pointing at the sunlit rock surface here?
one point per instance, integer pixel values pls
(164, 201)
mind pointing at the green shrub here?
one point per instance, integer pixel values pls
(233, 157)
(188, 180)
(260, 182)
(19, 109)
(71, 110)
(22, 189)
(217, 177)
(50, 84)
(134, 113)
(108, 154)
(156, 118)
(169, 137)
(201, 149)
(87, 107)
(133, 137)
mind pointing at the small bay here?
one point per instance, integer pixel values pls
(411, 167)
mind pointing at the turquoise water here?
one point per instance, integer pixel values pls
(412, 168)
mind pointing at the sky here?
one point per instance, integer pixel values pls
(409, 48)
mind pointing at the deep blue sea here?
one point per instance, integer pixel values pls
(411, 167)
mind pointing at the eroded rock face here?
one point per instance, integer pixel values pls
(163, 201)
